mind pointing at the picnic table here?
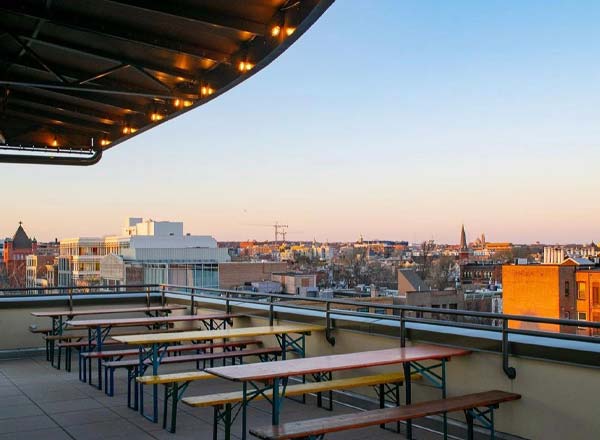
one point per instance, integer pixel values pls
(99, 329)
(151, 347)
(58, 323)
(272, 377)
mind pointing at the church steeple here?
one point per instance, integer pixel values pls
(463, 239)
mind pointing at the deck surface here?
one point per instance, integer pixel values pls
(40, 402)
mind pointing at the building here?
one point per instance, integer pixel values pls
(147, 251)
(545, 290)
(481, 273)
(16, 250)
(233, 275)
(40, 271)
(410, 281)
(296, 283)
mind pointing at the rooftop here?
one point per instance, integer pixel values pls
(45, 402)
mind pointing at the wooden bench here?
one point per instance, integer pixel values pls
(42, 331)
(227, 400)
(115, 355)
(317, 428)
(70, 341)
(132, 365)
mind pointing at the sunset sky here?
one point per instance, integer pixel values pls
(394, 119)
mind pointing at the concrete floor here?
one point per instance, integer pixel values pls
(39, 402)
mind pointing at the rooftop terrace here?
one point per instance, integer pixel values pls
(556, 374)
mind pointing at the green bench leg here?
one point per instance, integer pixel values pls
(224, 415)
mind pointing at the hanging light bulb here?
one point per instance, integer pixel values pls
(245, 66)
(290, 30)
(177, 102)
(156, 116)
(104, 142)
(275, 31)
(206, 90)
(55, 142)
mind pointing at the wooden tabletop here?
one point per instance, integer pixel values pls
(206, 335)
(338, 362)
(129, 322)
(54, 313)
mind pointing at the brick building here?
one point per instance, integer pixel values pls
(15, 254)
(233, 274)
(570, 290)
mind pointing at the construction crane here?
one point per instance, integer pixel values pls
(279, 229)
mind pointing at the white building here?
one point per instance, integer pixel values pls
(149, 252)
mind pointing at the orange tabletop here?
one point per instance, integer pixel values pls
(123, 322)
(338, 362)
(54, 313)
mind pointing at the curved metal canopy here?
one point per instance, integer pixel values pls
(80, 76)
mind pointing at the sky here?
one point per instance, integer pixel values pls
(396, 120)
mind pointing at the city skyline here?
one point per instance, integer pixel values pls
(433, 116)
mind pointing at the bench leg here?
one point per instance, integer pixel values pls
(174, 399)
(165, 405)
(225, 416)
(47, 349)
(68, 353)
(469, 418)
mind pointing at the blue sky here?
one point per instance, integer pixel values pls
(394, 119)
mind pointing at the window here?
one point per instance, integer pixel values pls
(581, 290)
(596, 295)
(567, 315)
(380, 311)
(567, 288)
(362, 309)
(582, 316)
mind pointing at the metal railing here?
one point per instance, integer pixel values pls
(403, 314)
(400, 313)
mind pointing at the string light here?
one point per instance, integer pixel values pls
(245, 66)
(182, 103)
(156, 116)
(55, 142)
(127, 129)
(289, 31)
(206, 90)
(104, 142)
(275, 31)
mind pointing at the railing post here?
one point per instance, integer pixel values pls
(271, 314)
(192, 299)
(147, 296)
(162, 295)
(70, 300)
(402, 329)
(509, 371)
(227, 303)
(329, 324)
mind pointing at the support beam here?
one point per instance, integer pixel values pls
(109, 30)
(107, 86)
(102, 74)
(80, 50)
(59, 110)
(50, 120)
(96, 90)
(35, 56)
(198, 15)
